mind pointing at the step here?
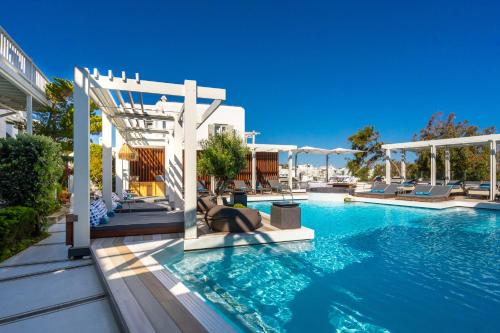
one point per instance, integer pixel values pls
(41, 291)
(95, 317)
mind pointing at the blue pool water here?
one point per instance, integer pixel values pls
(371, 268)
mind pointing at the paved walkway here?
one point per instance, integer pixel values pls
(42, 291)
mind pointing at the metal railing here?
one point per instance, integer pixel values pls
(12, 53)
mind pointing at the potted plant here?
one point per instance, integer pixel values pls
(223, 156)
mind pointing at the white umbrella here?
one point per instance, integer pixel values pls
(312, 150)
(341, 151)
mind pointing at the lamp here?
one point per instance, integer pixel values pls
(128, 153)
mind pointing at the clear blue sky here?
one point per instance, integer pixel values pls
(307, 73)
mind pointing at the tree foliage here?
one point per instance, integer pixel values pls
(30, 168)
(467, 163)
(223, 156)
(368, 140)
(56, 120)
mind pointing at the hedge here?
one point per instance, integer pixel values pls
(30, 169)
(18, 225)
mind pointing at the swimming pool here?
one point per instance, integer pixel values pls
(370, 268)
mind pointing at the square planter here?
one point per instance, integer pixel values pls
(286, 215)
(239, 197)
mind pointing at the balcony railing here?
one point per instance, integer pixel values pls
(11, 53)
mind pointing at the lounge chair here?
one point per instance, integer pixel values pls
(483, 190)
(456, 187)
(428, 193)
(262, 189)
(201, 188)
(229, 219)
(275, 185)
(240, 185)
(380, 191)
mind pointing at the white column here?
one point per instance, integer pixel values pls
(447, 166)
(296, 169)
(118, 165)
(176, 168)
(190, 147)
(387, 166)
(29, 114)
(126, 174)
(107, 160)
(169, 178)
(290, 166)
(403, 165)
(433, 165)
(212, 184)
(254, 169)
(493, 169)
(81, 137)
(326, 162)
(165, 173)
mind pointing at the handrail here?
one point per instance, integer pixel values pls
(12, 53)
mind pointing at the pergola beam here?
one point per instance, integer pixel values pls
(462, 141)
(208, 112)
(153, 87)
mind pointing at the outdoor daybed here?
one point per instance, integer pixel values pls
(133, 224)
(380, 190)
(428, 193)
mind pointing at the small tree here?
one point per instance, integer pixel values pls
(56, 120)
(223, 156)
(366, 139)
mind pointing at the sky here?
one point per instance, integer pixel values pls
(307, 73)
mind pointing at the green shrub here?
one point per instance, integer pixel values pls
(238, 205)
(30, 168)
(18, 225)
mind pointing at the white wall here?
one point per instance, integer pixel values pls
(225, 114)
(3, 128)
(230, 115)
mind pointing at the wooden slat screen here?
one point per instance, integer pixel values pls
(267, 168)
(151, 163)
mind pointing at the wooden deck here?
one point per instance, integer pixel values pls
(148, 298)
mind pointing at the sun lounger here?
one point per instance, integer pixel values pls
(428, 193)
(275, 185)
(263, 189)
(483, 190)
(456, 186)
(200, 188)
(240, 185)
(380, 191)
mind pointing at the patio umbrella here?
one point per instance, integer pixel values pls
(341, 151)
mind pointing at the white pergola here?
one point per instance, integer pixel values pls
(491, 140)
(132, 123)
(256, 148)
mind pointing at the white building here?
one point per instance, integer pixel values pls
(22, 86)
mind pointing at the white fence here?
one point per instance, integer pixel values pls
(11, 53)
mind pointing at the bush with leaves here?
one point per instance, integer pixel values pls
(19, 227)
(31, 166)
(223, 156)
